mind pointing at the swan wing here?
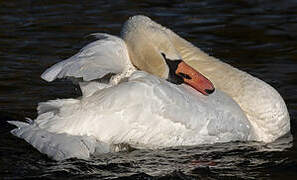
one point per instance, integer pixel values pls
(108, 55)
(142, 113)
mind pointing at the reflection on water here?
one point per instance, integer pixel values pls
(257, 36)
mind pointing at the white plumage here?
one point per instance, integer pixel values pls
(97, 59)
(143, 110)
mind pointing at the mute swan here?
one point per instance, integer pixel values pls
(147, 102)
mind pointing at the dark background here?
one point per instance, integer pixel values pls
(257, 36)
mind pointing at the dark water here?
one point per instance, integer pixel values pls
(258, 36)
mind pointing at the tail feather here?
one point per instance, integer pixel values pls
(58, 146)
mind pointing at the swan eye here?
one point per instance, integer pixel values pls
(184, 76)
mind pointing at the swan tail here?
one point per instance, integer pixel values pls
(58, 146)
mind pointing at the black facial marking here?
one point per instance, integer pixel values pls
(173, 64)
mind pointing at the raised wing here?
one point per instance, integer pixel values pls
(107, 55)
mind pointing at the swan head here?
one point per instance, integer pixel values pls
(151, 50)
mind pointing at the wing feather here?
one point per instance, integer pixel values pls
(107, 55)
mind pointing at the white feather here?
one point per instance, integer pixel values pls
(146, 111)
(104, 56)
(139, 112)
(58, 146)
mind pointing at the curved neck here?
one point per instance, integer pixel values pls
(262, 104)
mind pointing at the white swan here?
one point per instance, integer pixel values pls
(143, 109)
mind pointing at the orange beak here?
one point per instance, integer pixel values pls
(194, 78)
